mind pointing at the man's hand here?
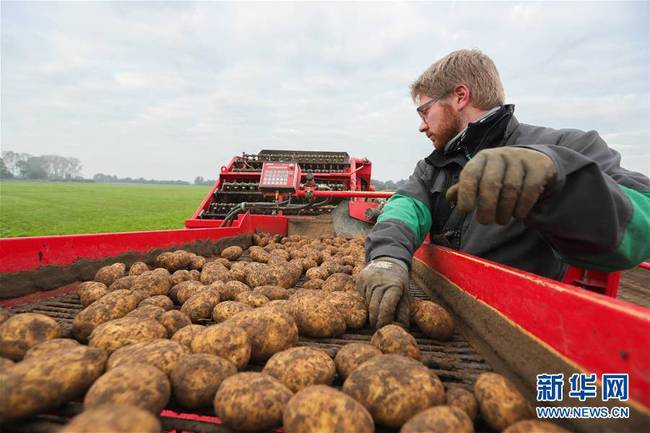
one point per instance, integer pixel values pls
(502, 183)
(384, 284)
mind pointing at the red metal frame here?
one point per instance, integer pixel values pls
(600, 334)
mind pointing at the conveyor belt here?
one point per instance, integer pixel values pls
(454, 361)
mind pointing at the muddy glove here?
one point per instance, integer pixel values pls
(503, 182)
(384, 284)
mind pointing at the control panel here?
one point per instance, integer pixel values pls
(279, 176)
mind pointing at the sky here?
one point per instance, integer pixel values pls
(174, 90)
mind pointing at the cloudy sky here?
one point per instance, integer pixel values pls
(174, 90)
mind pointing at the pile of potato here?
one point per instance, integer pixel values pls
(188, 326)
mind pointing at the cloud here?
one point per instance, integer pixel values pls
(175, 89)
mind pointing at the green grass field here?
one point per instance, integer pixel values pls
(57, 208)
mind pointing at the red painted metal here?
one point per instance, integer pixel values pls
(599, 282)
(645, 265)
(344, 194)
(600, 334)
(358, 209)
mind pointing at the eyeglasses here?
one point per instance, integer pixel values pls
(424, 108)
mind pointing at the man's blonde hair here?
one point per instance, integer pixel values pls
(469, 67)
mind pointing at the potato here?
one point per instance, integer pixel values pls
(108, 274)
(353, 355)
(395, 339)
(156, 282)
(269, 331)
(319, 273)
(139, 385)
(47, 346)
(162, 354)
(534, 426)
(186, 334)
(259, 274)
(112, 306)
(38, 384)
(122, 283)
(90, 291)
(433, 320)
(138, 268)
(197, 262)
(200, 305)
(272, 292)
(227, 263)
(214, 271)
(259, 255)
(339, 282)
(313, 284)
(113, 418)
(183, 291)
(161, 301)
(5, 363)
(439, 419)
(232, 253)
(320, 408)
(21, 332)
(225, 310)
(316, 317)
(458, 396)
(114, 334)
(251, 298)
(173, 261)
(237, 272)
(147, 312)
(278, 260)
(180, 276)
(500, 403)
(300, 367)
(225, 340)
(229, 290)
(173, 321)
(251, 401)
(394, 388)
(260, 240)
(352, 306)
(196, 378)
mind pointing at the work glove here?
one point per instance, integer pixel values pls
(503, 183)
(384, 284)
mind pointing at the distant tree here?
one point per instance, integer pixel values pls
(11, 160)
(35, 167)
(199, 180)
(4, 172)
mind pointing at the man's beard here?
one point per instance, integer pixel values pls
(450, 126)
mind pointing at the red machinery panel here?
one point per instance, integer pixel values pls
(279, 176)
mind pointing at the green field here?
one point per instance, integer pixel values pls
(57, 208)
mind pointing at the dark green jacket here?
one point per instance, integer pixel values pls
(596, 216)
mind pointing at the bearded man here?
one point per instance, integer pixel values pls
(530, 197)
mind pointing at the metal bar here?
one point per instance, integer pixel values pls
(345, 194)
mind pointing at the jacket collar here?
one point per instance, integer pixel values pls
(490, 130)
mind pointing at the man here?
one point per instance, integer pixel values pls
(529, 197)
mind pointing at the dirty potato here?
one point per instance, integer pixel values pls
(48, 346)
(5, 363)
(534, 426)
(353, 355)
(272, 292)
(433, 320)
(299, 367)
(113, 418)
(156, 282)
(162, 354)
(313, 284)
(394, 388)
(123, 283)
(161, 301)
(269, 330)
(200, 305)
(183, 291)
(318, 272)
(439, 419)
(186, 334)
(112, 306)
(214, 271)
(174, 261)
(117, 333)
(232, 253)
(197, 262)
(237, 271)
(500, 403)
(252, 298)
(90, 291)
(395, 339)
(458, 396)
(251, 401)
(225, 310)
(259, 254)
(180, 276)
(225, 340)
(40, 383)
(108, 274)
(285, 275)
(138, 268)
(174, 320)
(147, 312)
(339, 282)
(139, 385)
(351, 306)
(320, 408)
(229, 290)
(259, 274)
(21, 332)
(196, 378)
(316, 317)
